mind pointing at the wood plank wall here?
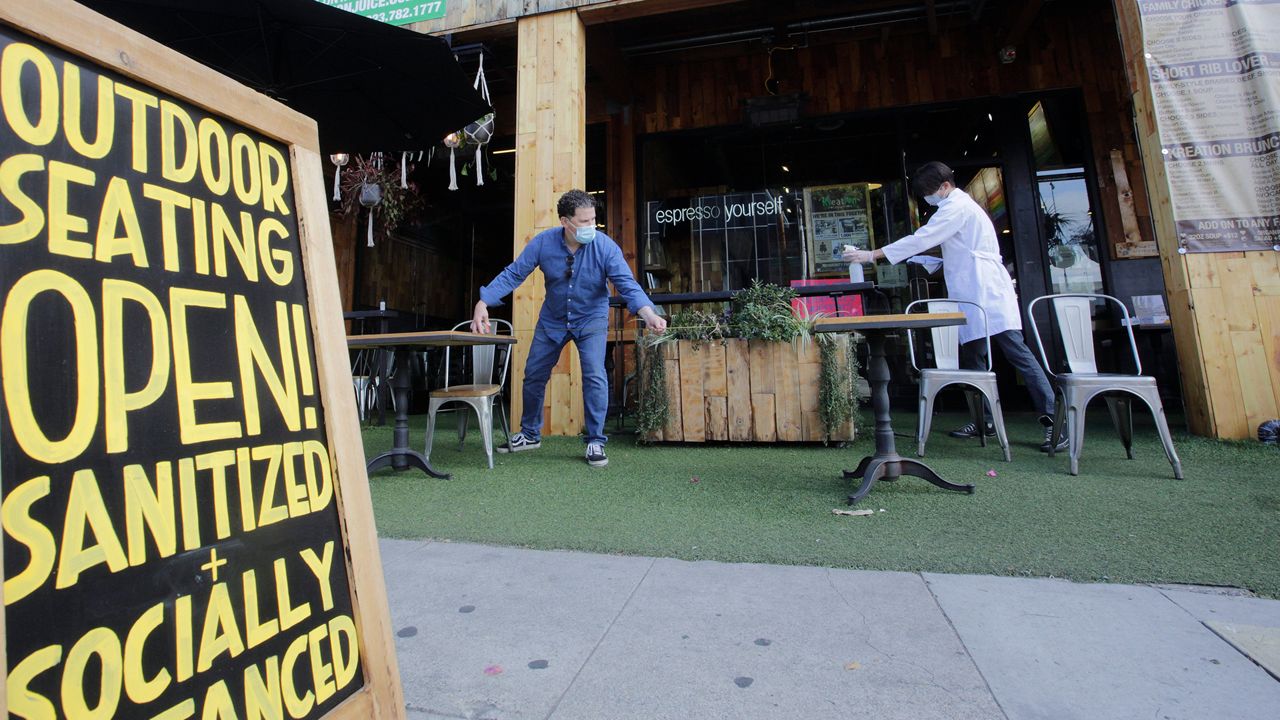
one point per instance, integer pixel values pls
(551, 139)
(1070, 45)
(1225, 307)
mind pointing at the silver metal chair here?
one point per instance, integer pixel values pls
(1083, 382)
(947, 371)
(481, 394)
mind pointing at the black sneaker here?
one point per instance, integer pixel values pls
(1063, 443)
(971, 431)
(519, 443)
(595, 455)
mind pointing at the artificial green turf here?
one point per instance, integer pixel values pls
(1119, 521)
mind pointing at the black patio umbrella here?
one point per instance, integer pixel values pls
(368, 85)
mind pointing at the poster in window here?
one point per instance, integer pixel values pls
(836, 215)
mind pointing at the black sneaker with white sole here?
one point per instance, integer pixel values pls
(595, 455)
(1063, 443)
(971, 431)
(519, 443)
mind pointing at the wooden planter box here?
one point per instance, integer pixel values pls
(743, 391)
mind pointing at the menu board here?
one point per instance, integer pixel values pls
(836, 215)
(1214, 68)
(174, 522)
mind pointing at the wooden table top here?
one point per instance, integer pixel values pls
(906, 321)
(431, 338)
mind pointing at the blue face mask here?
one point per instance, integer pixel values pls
(585, 235)
(933, 199)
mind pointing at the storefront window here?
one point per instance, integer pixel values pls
(1071, 245)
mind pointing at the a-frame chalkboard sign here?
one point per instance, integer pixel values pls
(187, 528)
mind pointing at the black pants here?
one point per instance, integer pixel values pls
(1014, 348)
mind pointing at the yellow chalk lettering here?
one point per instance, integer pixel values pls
(221, 634)
(16, 56)
(246, 169)
(85, 507)
(213, 138)
(321, 671)
(189, 503)
(262, 700)
(290, 615)
(269, 513)
(277, 263)
(149, 509)
(24, 529)
(244, 474)
(136, 685)
(295, 492)
(322, 568)
(242, 245)
(31, 215)
(61, 222)
(344, 662)
(169, 200)
(319, 485)
(117, 210)
(71, 104)
(255, 631)
(298, 705)
(252, 353)
(275, 179)
(14, 366)
(103, 643)
(184, 646)
(189, 392)
(117, 401)
(23, 701)
(200, 239)
(171, 117)
(139, 101)
(218, 463)
(217, 703)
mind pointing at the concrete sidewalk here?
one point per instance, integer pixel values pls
(493, 632)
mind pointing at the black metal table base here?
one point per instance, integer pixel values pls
(401, 456)
(875, 468)
(886, 465)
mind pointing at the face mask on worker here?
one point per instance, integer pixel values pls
(933, 199)
(584, 235)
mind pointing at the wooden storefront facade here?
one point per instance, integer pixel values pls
(630, 67)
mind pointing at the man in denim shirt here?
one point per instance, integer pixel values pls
(576, 260)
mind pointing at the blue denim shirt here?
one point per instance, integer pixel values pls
(578, 302)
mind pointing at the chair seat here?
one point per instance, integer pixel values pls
(957, 375)
(466, 391)
(1085, 379)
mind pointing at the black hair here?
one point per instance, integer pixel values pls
(930, 176)
(568, 204)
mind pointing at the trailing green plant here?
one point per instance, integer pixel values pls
(696, 325)
(763, 312)
(838, 386)
(652, 405)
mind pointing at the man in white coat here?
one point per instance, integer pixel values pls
(974, 271)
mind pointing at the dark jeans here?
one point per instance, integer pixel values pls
(1015, 350)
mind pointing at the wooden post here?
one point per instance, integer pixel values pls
(551, 132)
(1224, 307)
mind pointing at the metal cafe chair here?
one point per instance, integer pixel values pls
(947, 371)
(481, 394)
(1083, 382)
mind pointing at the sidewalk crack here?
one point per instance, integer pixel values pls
(994, 698)
(600, 641)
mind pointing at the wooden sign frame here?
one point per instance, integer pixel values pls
(79, 31)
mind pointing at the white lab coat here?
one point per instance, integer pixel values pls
(971, 263)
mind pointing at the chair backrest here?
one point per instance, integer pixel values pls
(1074, 315)
(484, 358)
(946, 340)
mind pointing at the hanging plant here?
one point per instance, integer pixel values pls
(839, 391)
(370, 183)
